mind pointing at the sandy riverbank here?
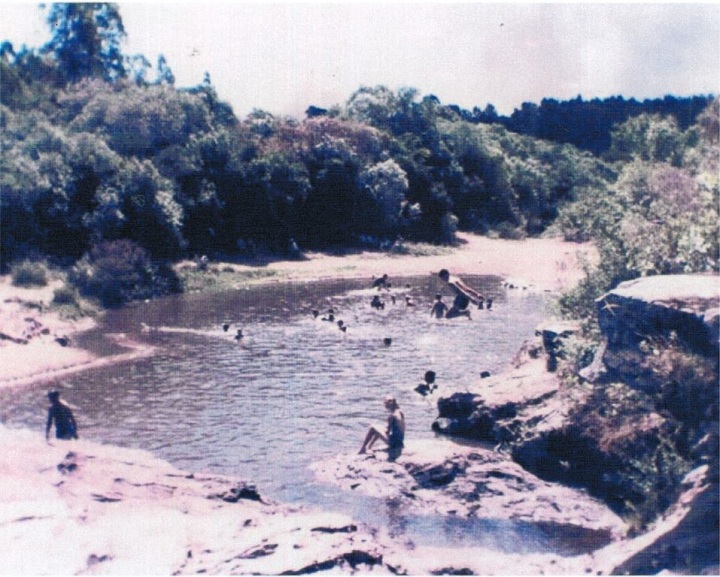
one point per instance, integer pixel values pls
(32, 352)
(546, 264)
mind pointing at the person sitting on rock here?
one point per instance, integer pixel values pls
(394, 434)
(60, 413)
(464, 295)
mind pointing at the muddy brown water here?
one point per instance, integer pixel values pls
(295, 389)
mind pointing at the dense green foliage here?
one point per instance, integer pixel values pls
(119, 271)
(660, 216)
(29, 274)
(94, 152)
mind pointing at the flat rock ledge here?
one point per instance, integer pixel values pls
(78, 507)
(686, 307)
(439, 477)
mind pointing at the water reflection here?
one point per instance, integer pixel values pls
(294, 390)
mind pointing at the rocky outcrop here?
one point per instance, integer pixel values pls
(443, 478)
(651, 416)
(553, 334)
(683, 541)
(508, 407)
(81, 508)
(658, 308)
(77, 507)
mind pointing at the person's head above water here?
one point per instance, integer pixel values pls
(444, 274)
(430, 377)
(390, 403)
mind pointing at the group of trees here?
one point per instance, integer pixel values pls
(587, 124)
(661, 214)
(94, 152)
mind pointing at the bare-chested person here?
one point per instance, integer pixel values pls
(439, 309)
(464, 295)
(60, 413)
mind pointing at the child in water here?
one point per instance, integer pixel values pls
(428, 386)
(439, 308)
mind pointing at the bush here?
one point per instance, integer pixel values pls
(624, 451)
(29, 273)
(507, 231)
(403, 248)
(117, 272)
(686, 382)
(65, 296)
(577, 353)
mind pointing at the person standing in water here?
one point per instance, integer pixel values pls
(439, 308)
(464, 295)
(60, 413)
(394, 434)
(381, 282)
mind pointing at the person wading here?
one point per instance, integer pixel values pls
(60, 413)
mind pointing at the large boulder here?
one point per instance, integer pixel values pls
(506, 407)
(658, 308)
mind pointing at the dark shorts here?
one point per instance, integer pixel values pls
(461, 302)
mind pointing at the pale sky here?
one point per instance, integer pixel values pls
(284, 57)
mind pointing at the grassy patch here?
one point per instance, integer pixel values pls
(65, 295)
(69, 305)
(216, 278)
(418, 249)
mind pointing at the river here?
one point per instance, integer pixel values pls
(295, 389)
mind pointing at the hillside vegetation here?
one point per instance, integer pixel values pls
(111, 174)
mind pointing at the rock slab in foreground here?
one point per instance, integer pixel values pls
(78, 508)
(441, 477)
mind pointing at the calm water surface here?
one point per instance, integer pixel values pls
(296, 389)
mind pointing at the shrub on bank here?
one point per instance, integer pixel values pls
(29, 274)
(65, 296)
(117, 272)
(633, 447)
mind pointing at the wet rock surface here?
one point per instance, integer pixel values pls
(683, 541)
(529, 413)
(444, 478)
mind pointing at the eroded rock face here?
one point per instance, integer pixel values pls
(505, 408)
(684, 541)
(553, 333)
(686, 306)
